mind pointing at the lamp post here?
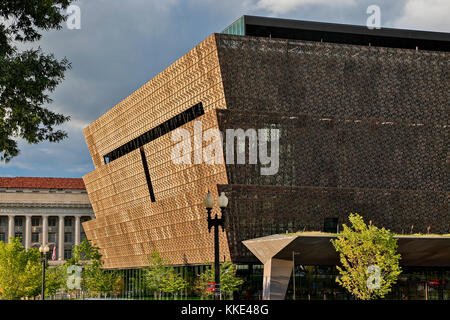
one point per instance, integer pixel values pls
(43, 250)
(216, 222)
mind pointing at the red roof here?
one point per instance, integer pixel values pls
(42, 183)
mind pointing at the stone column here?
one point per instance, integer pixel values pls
(44, 230)
(27, 232)
(61, 238)
(277, 273)
(77, 230)
(11, 232)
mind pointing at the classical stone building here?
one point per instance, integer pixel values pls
(363, 119)
(44, 210)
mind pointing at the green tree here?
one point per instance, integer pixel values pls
(20, 270)
(113, 283)
(369, 259)
(155, 273)
(28, 76)
(103, 282)
(55, 279)
(172, 282)
(94, 279)
(159, 277)
(229, 282)
(85, 253)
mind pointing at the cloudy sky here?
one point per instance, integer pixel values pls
(123, 44)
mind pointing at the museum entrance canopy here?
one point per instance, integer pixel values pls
(276, 252)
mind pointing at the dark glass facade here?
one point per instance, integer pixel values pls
(319, 283)
(311, 283)
(236, 28)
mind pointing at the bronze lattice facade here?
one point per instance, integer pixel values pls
(362, 129)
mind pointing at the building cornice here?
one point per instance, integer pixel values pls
(45, 205)
(45, 209)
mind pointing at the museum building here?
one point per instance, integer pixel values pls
(363, 120)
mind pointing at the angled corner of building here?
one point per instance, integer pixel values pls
(142, 200)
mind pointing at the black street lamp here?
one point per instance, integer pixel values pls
(216, 222)
(43, 250)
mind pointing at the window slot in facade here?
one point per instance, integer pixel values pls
(147, 175)
(160, 130)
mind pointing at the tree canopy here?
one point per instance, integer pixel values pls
(55, 279)
(229, 282)
(155, 272)
(369, 259)
(93, 279)
(20, 270)
(162, 278)
(28, 76)
(173, 282)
